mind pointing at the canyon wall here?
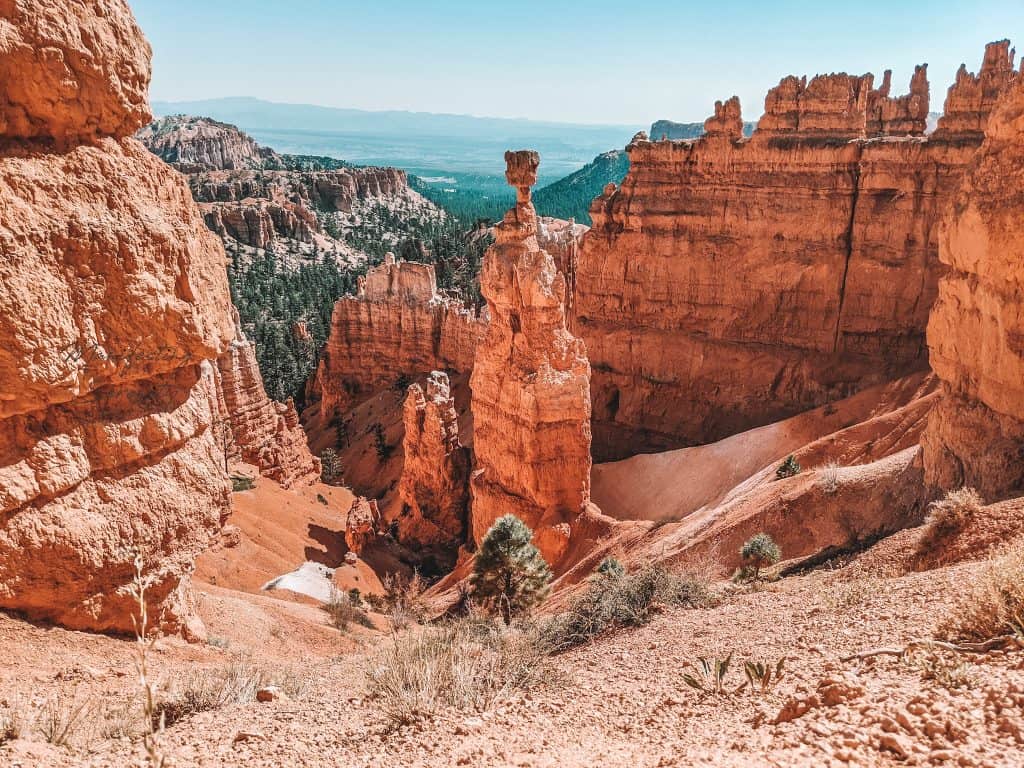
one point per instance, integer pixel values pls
(975, 435)
(398, 325)
(732, 282)
(113, 303)
(194, 144)
(530, 382)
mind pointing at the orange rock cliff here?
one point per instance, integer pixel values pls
(531, 385)
(398, 325)
(113, 303)
(731, 282)
(975, 436)
(124, 383)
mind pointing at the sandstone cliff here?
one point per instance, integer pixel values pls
(975, 436)
(254, 428)
(435, 476)
(731, 282)
(531, 385)
(398, 326)
(113, 302)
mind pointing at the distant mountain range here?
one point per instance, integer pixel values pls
(420, 142)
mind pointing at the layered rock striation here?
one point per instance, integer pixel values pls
(397, 326)
(113, 305)
(975, 436)
(434, 487)
(194, 144)
(531, 385)
(731, 282)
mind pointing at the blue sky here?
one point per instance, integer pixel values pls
(594, 62)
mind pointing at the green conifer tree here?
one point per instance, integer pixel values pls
(509, 574)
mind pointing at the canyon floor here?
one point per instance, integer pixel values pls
(620, 700)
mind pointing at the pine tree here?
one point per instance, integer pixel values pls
(330, 466)
(509, 574)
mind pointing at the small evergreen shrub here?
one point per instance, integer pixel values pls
(789, 468)
(509, 574)
(760, 550)
(610, 568)
(380, 443)
(330, 466)
(241, 483)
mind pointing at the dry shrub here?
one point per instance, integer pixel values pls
(467, 665)
(948, 517)
(344, 610)
(403, 600)
(948, 670)
(828, 477)
(994, 606)
(629, 600)
(10, 725)
(63, 718)
(204, 689)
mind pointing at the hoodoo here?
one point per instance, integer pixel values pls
(531, 385)
(113, 305)
(732, 282)
(435, 476)
(975, 436)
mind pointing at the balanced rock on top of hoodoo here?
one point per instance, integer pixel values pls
(113, 303)
(531, 385)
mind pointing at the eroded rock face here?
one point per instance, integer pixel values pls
(113, 302)
(435, 477)
(200, 144)
(362, 524)
(531, 385)
(975, 436)
(255, 428)
(398, 325)
(71, 72)
(730, 283)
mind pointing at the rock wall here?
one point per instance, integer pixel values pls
(530, 382)
(113, 302)
(435, 476)
(732, 282)
(397, 326)
(195, 144)
(254, 428)
(975, 436)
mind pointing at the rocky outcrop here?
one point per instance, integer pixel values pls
(530, 382)
(730, 283)
(562, 239)
(112, 307)
(259, 223)
(972, 97)
(975, 436)
(194, 144)
(397, 326)
(255, 428)
(435, 476)
(362, 524)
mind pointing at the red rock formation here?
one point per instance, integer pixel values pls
(398, 325)
(362, 525)
(730, 283)
(562, 240)
(971, 98)
(530, 382)
(254, 427)
(195, 144)
(975, 436)
(727, 120)
(113, 299)
(435, 477)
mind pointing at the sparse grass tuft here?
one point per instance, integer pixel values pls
(994, 606)
(468, 665)
(949, 672)
(62, 718)
(948, 517)
(828, 477)
(10, 725)
(624, 600)
(343, 610)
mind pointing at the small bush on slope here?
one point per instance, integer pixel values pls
(994, 606)
(948, 517)
(789, 468)
(509, 574)
(614, 600)
(759, 551)
(343, 611)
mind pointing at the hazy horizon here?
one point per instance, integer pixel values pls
(584, 63)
